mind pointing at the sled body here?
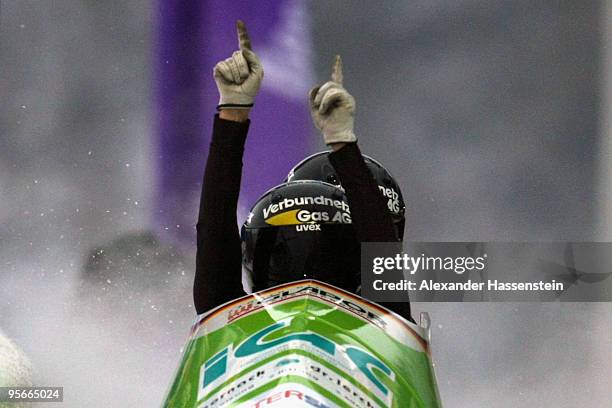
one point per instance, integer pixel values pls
(304, 344)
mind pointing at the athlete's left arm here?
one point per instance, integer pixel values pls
(332, 109)
(371, 218)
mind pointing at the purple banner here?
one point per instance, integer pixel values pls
(192, 37)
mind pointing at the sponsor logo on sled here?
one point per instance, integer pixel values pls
(350, 360)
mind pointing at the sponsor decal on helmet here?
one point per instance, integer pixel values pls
(286, 218)
(288, 203)
(308, 227)
(285, 213)
(303, 216)
(393, 202)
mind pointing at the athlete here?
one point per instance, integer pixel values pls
(274, 252)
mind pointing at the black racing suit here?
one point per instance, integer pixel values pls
(218, 277)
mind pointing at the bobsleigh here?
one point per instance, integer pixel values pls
(304, 344)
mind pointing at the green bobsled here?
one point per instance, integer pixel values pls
(304, 344)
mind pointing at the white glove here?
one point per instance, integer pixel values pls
(239, 77)
(332, 108)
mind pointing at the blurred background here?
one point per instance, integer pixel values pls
(494, 116)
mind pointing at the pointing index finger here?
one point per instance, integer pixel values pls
(244, 42)
(336, 75)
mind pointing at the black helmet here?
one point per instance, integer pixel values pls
(318, 167)
(300, 230)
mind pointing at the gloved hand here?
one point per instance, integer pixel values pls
(332, 108)
(239, 77)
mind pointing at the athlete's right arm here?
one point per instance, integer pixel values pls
(219, 259)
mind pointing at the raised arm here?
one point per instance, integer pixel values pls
(218, 259)
(332, 109)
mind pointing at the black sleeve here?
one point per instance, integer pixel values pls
(369, 212)
(218, 276)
